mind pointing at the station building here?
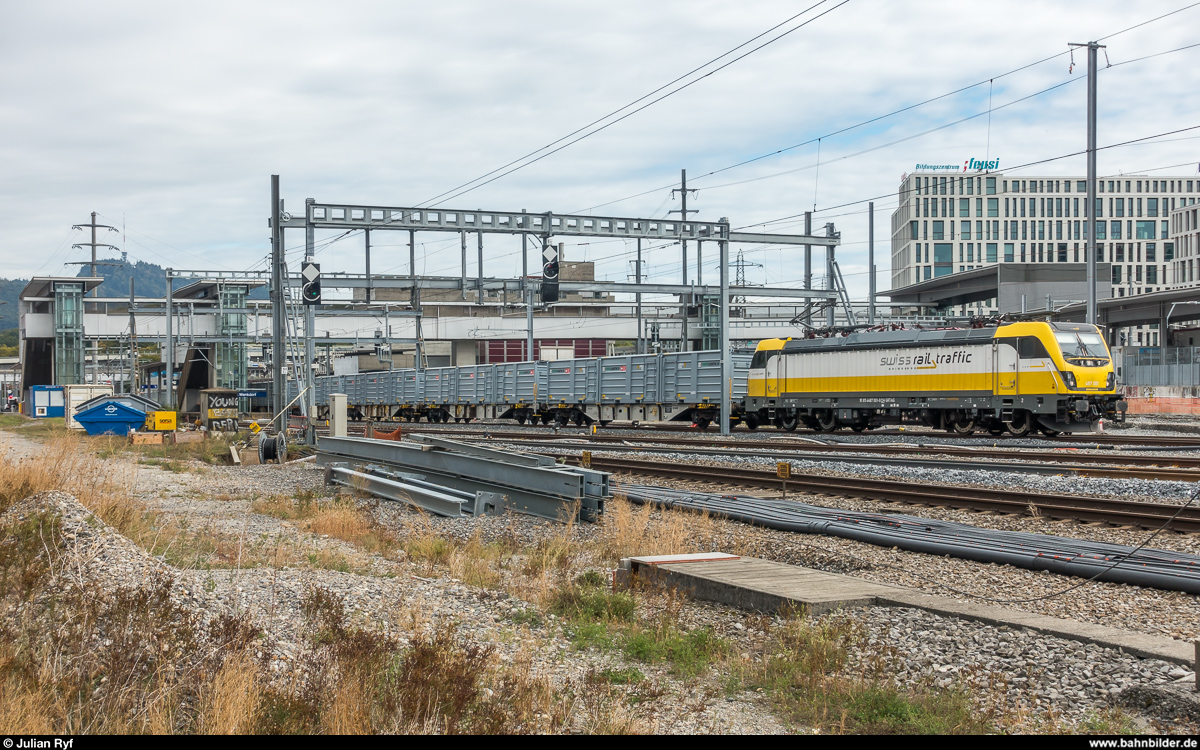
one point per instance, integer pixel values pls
(951, 222)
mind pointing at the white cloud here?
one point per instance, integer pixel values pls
(175, 116)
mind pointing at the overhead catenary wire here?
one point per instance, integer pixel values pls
(990, 80)
(521, 162)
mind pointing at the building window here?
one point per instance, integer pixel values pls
(1168, 251)
(1151, 274)
(1145, 230)
(1152, 207)
(1041, 225)
(1120, 209)
(1081, 187)
(1116, 276)
(991, 185)
(1151, 252)
(991, 252)
(1062, 252)
(964, 207)
(993, 205)
(1008, 252)
(1166, 226)
(1120, 253)
(1058, 230)
(1138, 271)
(913, 226)
(1022, 252)
(1116, 231)
(938, 230)
(1139, 205)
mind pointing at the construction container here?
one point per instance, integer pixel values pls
(161, 421)
(111, 418)
(75, 396)
(45, 401)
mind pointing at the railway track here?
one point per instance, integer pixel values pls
(1024, 465)
(1058, 507)
(1095, 439)
(1173, 467)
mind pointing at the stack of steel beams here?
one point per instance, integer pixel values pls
(454, 479)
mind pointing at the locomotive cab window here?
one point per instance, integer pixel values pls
(1082, 348)
(761, 358)
(1031, 347)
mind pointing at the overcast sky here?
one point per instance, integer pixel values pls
(170, 118)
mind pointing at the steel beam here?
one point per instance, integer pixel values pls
(346, 216)
(336, 280)
(553, 492)
(449, 503)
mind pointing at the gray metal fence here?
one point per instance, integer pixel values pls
(1161, 366)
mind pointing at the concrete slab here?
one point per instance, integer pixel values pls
(767, 586)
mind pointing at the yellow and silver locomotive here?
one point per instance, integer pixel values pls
(1018, 378)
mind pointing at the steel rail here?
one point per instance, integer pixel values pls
(1036, 466)
(1058, 507)
(1099, 440)
(1112, 461)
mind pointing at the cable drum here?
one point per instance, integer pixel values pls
(273, 448)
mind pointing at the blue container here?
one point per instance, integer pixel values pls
(111, 418)
(47, 401)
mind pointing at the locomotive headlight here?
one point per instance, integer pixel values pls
(1112, 381)
(1069, 379)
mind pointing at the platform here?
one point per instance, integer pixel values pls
(767, 586)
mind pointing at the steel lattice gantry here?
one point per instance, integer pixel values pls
(320, 215)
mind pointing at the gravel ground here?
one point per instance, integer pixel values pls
(1039, 673)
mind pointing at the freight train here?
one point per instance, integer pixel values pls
(1016, 378)
(683, 386)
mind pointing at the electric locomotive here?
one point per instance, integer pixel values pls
(1017, 378)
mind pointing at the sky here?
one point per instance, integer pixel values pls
(169, 119)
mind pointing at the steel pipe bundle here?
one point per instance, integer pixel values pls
(1115, 563)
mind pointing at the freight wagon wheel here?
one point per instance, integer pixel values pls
(751, 422)
(702, 424)
(1049, 432)
(858, 427)
(520, 419)
(578, 419)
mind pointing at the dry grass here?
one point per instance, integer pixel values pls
(231, 704)
(103, 487)
(338, 517)
(628, 530)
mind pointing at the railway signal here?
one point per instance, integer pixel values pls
(311, 273)
(550, 273)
